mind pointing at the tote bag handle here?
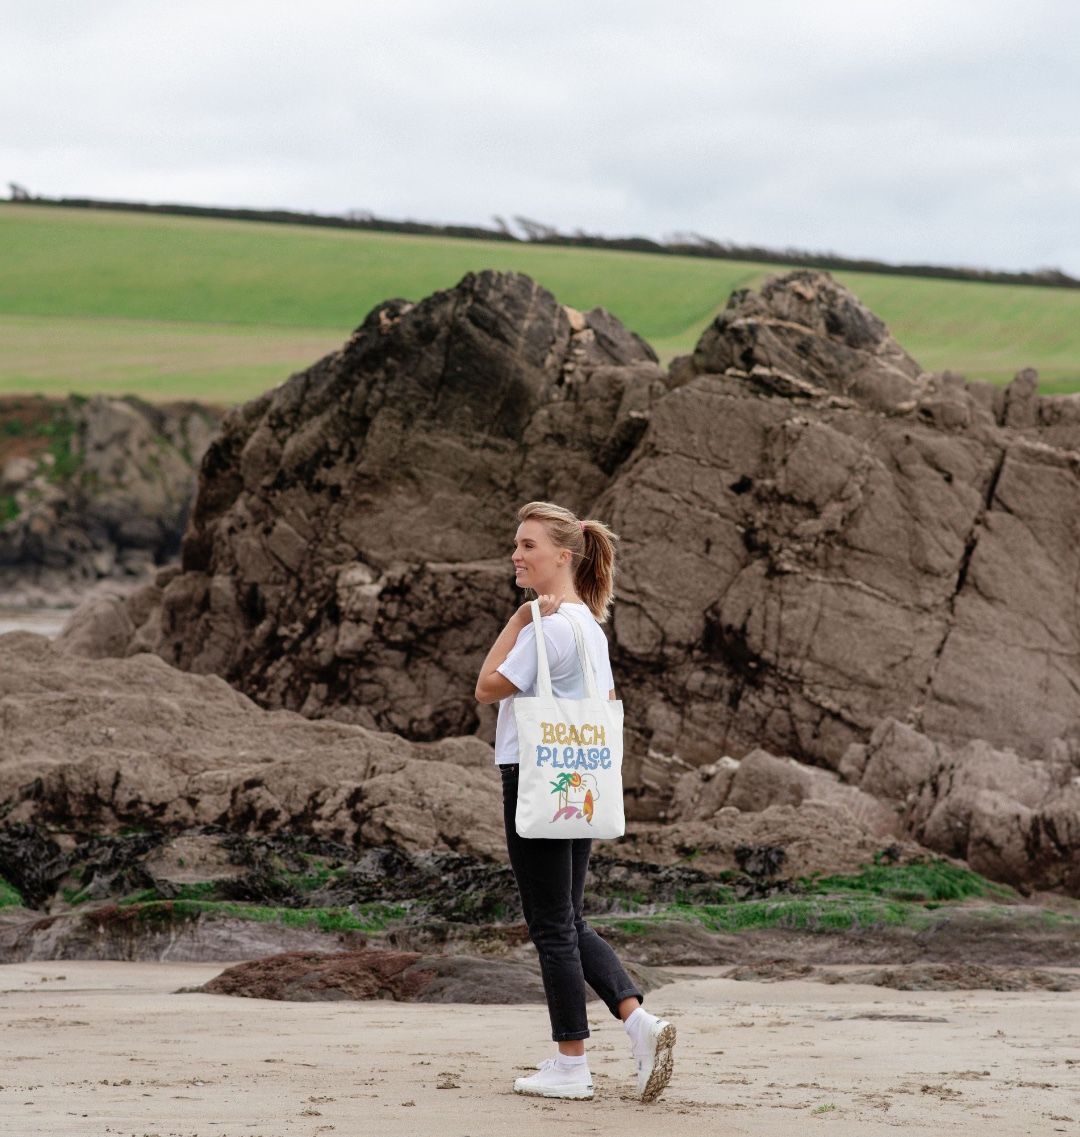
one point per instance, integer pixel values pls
(543, 673)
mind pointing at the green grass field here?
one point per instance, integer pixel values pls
(173, 307)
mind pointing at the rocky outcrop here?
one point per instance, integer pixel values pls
(135, 742)
(853, 540)
(402, 976)
(294, 871)
(93, 489)
(1013, 817)
(815, 534)
(761, 780)
(348, 548)
(142, 932)
(149, 813)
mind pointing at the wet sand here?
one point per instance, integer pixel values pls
(108, 1048)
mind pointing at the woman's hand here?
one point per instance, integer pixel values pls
(492, 685)
(549, 605)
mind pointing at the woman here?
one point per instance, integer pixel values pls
(570, 565)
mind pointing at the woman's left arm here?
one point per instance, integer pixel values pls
(493, 686)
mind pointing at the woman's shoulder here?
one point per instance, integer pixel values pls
(593, 629)
(560, 623)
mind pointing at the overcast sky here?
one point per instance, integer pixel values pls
(941, 131)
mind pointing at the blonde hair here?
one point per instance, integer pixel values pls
(592, 545)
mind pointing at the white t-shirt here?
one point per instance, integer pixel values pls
(566, 678)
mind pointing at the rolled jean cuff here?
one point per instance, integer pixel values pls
(569, 1036)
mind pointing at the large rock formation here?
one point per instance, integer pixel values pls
(93, 489)
(348, 548)
(852, 539)
(816, 535)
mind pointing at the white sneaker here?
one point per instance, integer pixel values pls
(551, 1082)
(653, 1053)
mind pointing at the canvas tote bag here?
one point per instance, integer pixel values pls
(570, 750)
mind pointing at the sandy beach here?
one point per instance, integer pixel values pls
(109, 1048)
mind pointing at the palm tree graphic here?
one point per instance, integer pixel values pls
(561, 786)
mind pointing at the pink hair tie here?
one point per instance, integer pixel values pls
(581, 525)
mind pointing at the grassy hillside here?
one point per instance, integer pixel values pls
(171, 306)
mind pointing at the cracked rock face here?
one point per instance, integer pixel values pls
(815, 534)
(348, 551)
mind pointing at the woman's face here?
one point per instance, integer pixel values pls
(536, 559)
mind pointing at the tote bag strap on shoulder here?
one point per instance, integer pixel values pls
(543, 673)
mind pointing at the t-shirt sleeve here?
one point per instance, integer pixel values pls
(520, 665)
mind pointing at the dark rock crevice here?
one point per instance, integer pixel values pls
(970, 543)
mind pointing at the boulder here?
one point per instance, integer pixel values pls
(99, 627)
(401, 976)
(761, 780)
(702, 792)
(897, 760)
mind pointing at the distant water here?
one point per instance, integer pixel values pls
(44, 621)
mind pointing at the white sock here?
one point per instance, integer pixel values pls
(570, 1061)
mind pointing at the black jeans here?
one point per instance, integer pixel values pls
(550, 877)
